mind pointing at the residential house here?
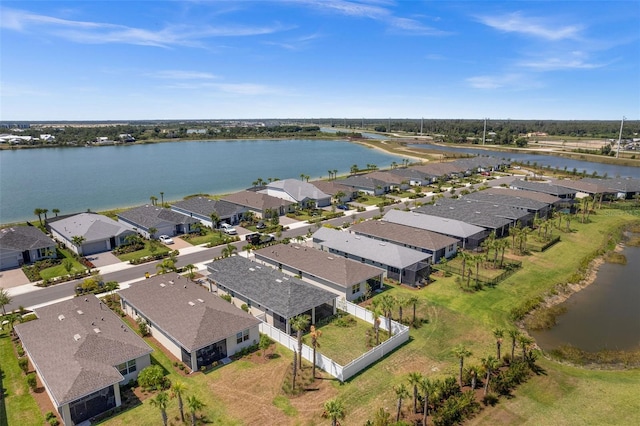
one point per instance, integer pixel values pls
(437, 245)
(536, 203)
(83, 353)
(544, 188)
(391, 180)
(625, 188)
(24, 244)
(165, 221)
(202, 208)
(366, 184)
(98, 233)
(270, 295)
(470, 236)
(306, 195)
(344, 277)
(262, 205)
(414, 176)
(196, 326)
(403, 264)
(585, 188)
(334, 188)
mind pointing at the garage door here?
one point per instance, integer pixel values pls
(8, 259)
(95, 247)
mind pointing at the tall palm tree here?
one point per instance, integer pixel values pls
(427, 387)
(5, 299)
(514, 334)
(375, 313)
(177, 390)
(498, 333)
(401, 393)
(44, 212)
(415, 378)
(154, 200)
(315, 335)
(490, 364)
(461, 352)
(55, 211)
(161, 401)
(334, 410)
(387, 303)
(299, 324)
(162, 204)
(413, 300)
(152, 232)
(38, 212)
(194, 405)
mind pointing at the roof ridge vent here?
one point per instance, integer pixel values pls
(191, 303)
(79, 312)
(60, 317)
(200, 300)
(96, 330)
(278, 280)
(163, 285)
(77, 337)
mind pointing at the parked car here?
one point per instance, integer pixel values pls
(261, 225)
(228, 229)
(165, 239)
(343, 207)
(256, 238)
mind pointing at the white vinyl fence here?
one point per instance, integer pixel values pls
(340, 372)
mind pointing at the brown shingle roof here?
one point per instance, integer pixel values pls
(403, 234)
(332, 188)
(321, 264)
(72, 358)
(187, 312)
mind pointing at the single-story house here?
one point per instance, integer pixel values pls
(625, 188)
(403, 264)
(544, 188)
(414, 176)
(196, 326)
(83, 353)
(391, 180)
(24, 244)
(366, 184)
(444, 171)
(270, 295)
(165, 221)
(98, 233)
(585, 188)
(437, 245)
(297, 191)
(470, 236)
(201, 208)
(536, 203)
(262, 205)
(344, 277)
(333, 188)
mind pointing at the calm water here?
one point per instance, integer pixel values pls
(101, 178)
(546, 160)
(604, 315)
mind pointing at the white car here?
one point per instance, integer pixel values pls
(228, 229)
(165, 239)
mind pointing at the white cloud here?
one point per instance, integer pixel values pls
(512, 81)
(183, 75)
(516, 22)
(570, 61)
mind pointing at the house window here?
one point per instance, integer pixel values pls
(127, 367)
(242, 336)
(44, 252)
(355, 288)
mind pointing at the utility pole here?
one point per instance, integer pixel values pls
(620, 136)
(421, 124)
(484, 132)
(389, 129)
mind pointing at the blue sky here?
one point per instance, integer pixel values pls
(86, 60)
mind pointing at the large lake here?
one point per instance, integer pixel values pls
(102, 178)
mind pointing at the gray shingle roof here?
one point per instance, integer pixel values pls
(189, 313)
(543, 187)
(332, 188)
(617, 184)
(503, 197)
(339, 270)
(547, 199)
(368, 248)
(72, 357)
(361, 181)
(283, 294)
(584, 186)
(205, 206)
(23, 238)
(298, 189)
(402, 234)
(411, 173)
(149, 216)
(490, 216)
(452, 227)
(256, 200)
(91, 226)
(387, 177)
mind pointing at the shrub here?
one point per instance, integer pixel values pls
(226, 297)
(20, 350)
(49, 415)
(143, 326)
(490, 399)
(24, 364)
(152, 378)
(32, 382)
(245, 307)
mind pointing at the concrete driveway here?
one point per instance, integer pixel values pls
(103, 259)
(13, 278)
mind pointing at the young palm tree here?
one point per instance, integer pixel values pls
(315, 335)
(401, 393)
(334, 410)
(498, 333)
(387, 303)
(5, 299)
(55, 211)
(490, 364)
(177, 390)
(461, 352)
(165, 266)
(525, 342)
(78, 240)
(194, 405)
(415, 379)
(375, 313)
(190, 268)
(215, 218)
(161, 401)
(299, 324)
(514, 334)
(413, 301)
(229, 250)
(153, 199)
(427, 387)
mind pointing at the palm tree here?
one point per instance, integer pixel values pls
(152, 232)
(78, 240)
(473, 372)
(387, 303)
(401, 393)
(490, 364)
(55, 211)
(190, 267)
(194, 405)
(315, 335)
(514, 334)
(166, 265)
(461, 352)
(334, 410)
(525, 341)
(177, 390)
(299, 324)
(354, 169)
(38, 212)
(44, 212)
(427, 387)
(375, 313)
(162, 204)
(154, 200)
(214, 219)
(5, 299)
(415, 379)
(413, 300)
(465, 256)
(498, 333)
(161, 401)
(229, 250)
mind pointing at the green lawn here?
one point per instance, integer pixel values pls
(17, 407)
(214, 238)
(160, 249)
(59, 270)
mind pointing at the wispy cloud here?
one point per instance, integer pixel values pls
(183, 75)
(546, 29)
(511, 81)
(298, 43)
(104, 33)
(203, 81)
